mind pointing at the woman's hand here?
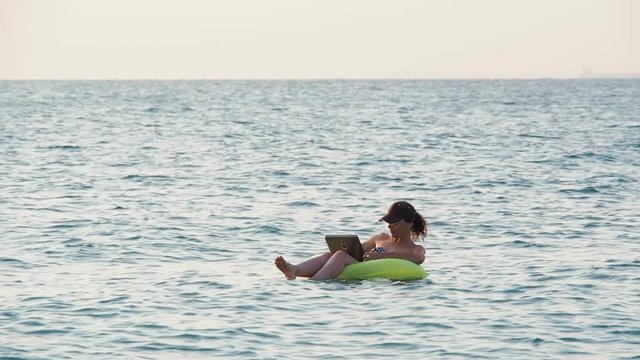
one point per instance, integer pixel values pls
(375, 253)
(371, 255)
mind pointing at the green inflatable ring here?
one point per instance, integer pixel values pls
(394, 269)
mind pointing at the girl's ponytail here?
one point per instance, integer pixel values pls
(419, 226)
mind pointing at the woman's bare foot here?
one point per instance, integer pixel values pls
(290, 271)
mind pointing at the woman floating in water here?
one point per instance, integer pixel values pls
(405, 224)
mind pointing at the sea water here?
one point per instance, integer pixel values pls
(140, 219)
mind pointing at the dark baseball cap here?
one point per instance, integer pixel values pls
(399, 210)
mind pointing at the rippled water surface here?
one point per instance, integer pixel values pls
(140, 220)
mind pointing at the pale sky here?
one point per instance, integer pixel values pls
(310, 39)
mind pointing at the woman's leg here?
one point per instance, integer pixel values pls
(334, 266)
(307, 268)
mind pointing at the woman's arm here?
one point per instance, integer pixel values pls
(416, 255)
(371, 243)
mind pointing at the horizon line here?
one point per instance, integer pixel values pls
(635, 76)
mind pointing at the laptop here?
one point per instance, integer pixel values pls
(349, 243)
